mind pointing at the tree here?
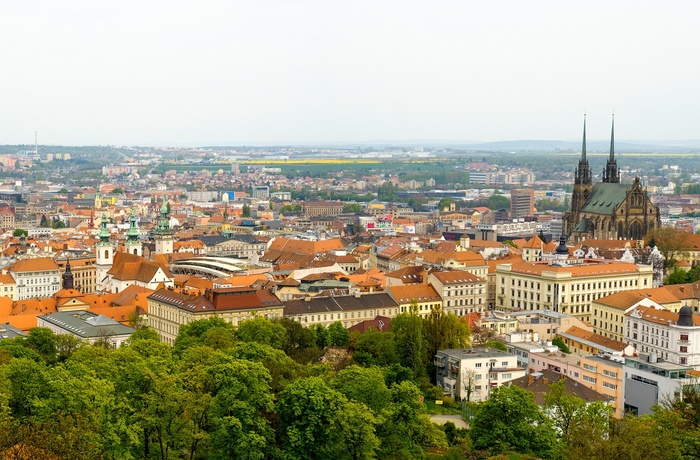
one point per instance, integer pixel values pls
(43, 341)
(20, 232)
(672, 243)
(445, 331)
(246, 211)
(306, 409)
(353, 432)
(364, 385)
(213, 330)
(445, 204)
(469, 383)
(321, 335)
(677, 276)
(262, 330)
(411, 345)
(44, 222)
(497, 345)
(352, 208)
(559, 343)
(510, 420)
(374, 348)
(339, 336)
(58, 224)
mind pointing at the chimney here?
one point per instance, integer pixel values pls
(530, 379)
(545, 380)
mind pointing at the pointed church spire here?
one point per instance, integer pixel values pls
(610, 174)
(583, 148)
(583, 171)
(612, 139)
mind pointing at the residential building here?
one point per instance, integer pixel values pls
(260, 192)
(546, 323)
(522, 203)
(350, 310)
(473, 372)
(461, 291)
(672, 337)
(169, 309)
(36, 278)
(8, 286)
(424, 296)
(499, 321)
(538, 384)
(609, 311)
(605, 375)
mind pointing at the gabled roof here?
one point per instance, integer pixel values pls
(130, 267)
(539, 382)
(605, 197)
(600, 341)
(339, 303)
(627, 299)
(32, 265)
(456, 277)
(419, 292)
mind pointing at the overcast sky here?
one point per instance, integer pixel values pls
(263, 72)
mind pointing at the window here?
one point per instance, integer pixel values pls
(504, 363)
(609, 373)
(477, 365)
(477, 377)
(507, 376)
(684, 349)
(611, 386)
(588, 379)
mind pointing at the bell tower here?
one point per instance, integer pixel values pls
(104, 255)
(163, 234)
(133, 245)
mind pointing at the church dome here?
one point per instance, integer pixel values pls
(562, 249)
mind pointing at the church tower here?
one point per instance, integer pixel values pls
(163, 233)
(583, 185)
(68, 279)
(611, 174)
(104, 253)
(133, 245)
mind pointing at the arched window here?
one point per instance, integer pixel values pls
(620, 230)
(136, 250)
(106, 254)
(636, 231)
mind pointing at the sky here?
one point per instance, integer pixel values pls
(262, 72)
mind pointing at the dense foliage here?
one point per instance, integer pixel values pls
(261, 392)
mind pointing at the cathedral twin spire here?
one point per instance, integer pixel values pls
(610, 173)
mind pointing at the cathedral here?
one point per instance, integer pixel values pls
(608, 210)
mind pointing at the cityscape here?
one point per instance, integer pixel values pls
(360, 231)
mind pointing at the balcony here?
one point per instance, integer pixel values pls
(440, 362)
(684, 342)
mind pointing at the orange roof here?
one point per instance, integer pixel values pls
(660, 316)
(597, 339)
(420, 292)
(627, 299)
(582, 270)
(457, 277)
(306, 247)
(32, 265)
(533, 243)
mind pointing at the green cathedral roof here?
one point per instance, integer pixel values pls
(605, 197)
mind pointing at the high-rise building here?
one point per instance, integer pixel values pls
(522, 203)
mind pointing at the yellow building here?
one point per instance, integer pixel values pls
(424, 295)
(565, 288)
(608, 317)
